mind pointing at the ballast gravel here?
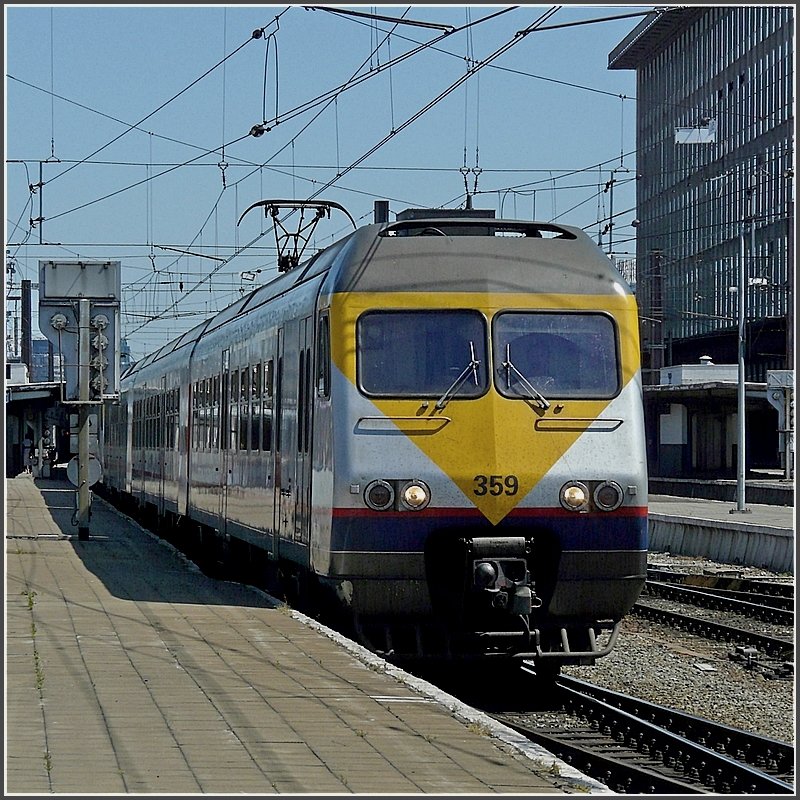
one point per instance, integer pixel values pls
(677, 669)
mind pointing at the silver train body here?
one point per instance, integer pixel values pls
(435, 425)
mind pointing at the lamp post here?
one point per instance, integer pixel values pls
(741, 471)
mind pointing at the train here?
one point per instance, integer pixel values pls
(433, 428)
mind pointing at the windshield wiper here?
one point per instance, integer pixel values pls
(534, 393)
(471, 367)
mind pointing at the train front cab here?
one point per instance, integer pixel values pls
(490, 490)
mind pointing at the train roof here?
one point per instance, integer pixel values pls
(476, 255)
(472, 254)
(314, 266)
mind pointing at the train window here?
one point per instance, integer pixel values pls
(206, 412)
(176, 394)
(555, 354)
(422, 354)
(308, 400)
(301, 400)
(215, 413)
(266, 412)
(226, 413)
(244, 409)
(323, 358)
(232, 442)
(268, 378)
(163, 417)
(255, 420)
(194, 415)
(277, 417)
(304, 400)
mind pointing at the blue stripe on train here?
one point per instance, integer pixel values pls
(407, 532)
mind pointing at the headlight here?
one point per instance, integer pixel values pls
(379, 495)
(608, 496)
(415, 495)
(574, 496)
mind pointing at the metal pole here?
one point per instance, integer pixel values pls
(611, 217)
(41, 189)
(788, 435)
(27, 329)
(742, 292)
(83, 419)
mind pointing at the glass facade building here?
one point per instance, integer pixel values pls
(715, 170)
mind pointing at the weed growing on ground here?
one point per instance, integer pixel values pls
(31, 595)
(477, 727)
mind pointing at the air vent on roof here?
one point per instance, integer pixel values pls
(415, 214)
(466, 226)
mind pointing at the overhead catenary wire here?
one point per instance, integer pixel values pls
(504, 48)
(596, 20)
(361, 166)
(254, 36)
(513, 188)
(357, 79)
(205, 152)
(373, 16)
(208, 152)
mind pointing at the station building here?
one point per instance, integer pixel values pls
(715, 198)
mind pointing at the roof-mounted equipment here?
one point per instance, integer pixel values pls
(464, 226)
(292, 244)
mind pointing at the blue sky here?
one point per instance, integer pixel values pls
(139, 118)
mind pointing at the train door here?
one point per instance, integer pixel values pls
(285, 435)
(141, 422)
(127, 424)
(303, 447)
(226, 419)
(277, 412)
(161, 442)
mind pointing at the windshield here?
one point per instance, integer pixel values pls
(432, 354)
(541, 354)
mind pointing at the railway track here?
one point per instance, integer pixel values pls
(774, 646)
(724, 583)
(765, 607)
(731, 613)
(637, 747)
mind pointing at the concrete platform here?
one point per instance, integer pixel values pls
(762, 536)
(763, 489)
(128, 671)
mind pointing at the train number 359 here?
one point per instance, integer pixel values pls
(495, 485)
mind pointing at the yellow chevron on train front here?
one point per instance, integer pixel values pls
(517, 455)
